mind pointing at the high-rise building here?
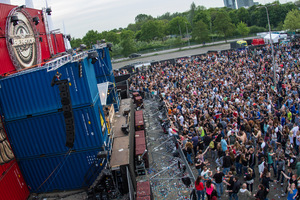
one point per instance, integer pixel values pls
(230, 4)
(245, 3)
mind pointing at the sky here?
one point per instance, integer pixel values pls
(77, 17)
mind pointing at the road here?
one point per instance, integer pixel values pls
(174, 53)
(166, 56)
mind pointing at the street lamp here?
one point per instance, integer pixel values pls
(271, 41)
(187, 34)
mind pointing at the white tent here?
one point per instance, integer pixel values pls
(274, 37)
(103, 91)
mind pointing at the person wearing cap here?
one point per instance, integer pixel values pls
(218, 179)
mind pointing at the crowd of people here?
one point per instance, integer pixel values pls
(230, 110)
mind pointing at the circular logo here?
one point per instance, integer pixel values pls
(21, 41)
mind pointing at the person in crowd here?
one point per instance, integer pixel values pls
(244, 193)
(209, 187)
(226, 103)
(218, 179)
(235, 189)
(199, 186)
(261, 193)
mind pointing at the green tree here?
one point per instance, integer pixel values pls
(142, 18)
(202, 15)
(177, 25)
(112, 37)
(243, 15)
(292, 20)
(76, 42)
(200, 32)
(243, 29)
(91, 38)
(256, 29)
(223, 24)
(127, 43)
(152, 29)
(234, 17)
(192, 13)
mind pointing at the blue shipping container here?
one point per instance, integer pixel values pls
(103, 67)
(73, 171)
(29, 93)
(46, 134)
(106, 78)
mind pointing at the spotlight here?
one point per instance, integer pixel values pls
(102, 154)
(48, 11)
(81, 48)
(94, 60)
(36, 20)
(94, 56)
(68, 37)
(15, 20)
(109, 46)
(22, 6)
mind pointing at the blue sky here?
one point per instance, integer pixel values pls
(79, 16)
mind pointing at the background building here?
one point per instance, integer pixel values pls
(230, 4)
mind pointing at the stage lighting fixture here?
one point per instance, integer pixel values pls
(36, 20)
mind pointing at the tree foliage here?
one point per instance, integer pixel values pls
(91, 37)
(223, 24)
(243, 29)
(127, 42)
(177, 25)
(142, 18)
(292, 20)
(76, 42)
(200, 32)
(152, 29)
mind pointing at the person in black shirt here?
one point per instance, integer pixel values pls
(266, 182)
(235, 189)
(218, 178)
(261, 193)
(227, 162)
(229, 182)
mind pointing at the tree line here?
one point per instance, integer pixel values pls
(198, 25)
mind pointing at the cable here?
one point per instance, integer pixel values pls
(67, 154)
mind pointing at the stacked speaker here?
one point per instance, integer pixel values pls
(68, 112)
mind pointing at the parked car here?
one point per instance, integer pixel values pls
(134, 55)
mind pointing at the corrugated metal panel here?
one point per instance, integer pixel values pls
(6, 65)
(106, 78)
(44, 47)
(4, 11)
(60, 43)
(73, 172)
(107, 61)
(104, 66)
(46, 134)
(12, 185)
(30, 92)
(4, 167)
